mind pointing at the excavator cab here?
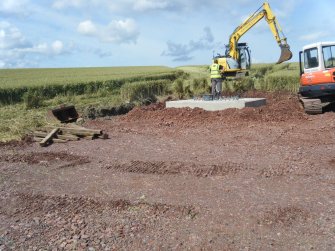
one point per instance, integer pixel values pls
(235, 68)
(317, 77)
(244, 56)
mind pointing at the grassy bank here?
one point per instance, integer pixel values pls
(265, 77)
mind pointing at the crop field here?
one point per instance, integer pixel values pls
(15, 78)
(49, 83)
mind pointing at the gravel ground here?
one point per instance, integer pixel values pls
(177, 179)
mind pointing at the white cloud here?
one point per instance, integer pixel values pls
(13, 6)
(118, 31)
(57, 47)
(314, 36)
(54, 48)
(11, 37)
(121, 31)
(182, 52)
(87, 28)
(76, 4)
(15, 48)
(115, 5)
(61, 4)
(41, 48)
(143, 5)
(283, 8)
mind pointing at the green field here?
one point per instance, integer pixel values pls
(49, 83)
(27, 94)
(195, 71)
(13, 78)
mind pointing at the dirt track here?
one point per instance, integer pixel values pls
(250, 179)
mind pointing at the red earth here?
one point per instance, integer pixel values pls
(250, 179)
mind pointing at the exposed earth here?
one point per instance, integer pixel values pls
(177, 179)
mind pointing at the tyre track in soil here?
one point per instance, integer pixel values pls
(60, 159)
(177, 168)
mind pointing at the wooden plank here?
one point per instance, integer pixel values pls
(90, 137)
(39, 139)
(76, 131)
(68, 137)
(59, 136)
(82, 132)
(49, 137)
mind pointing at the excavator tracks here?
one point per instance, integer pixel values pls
(312, 106)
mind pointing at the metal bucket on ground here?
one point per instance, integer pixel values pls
(65, 114)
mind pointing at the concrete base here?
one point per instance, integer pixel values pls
(217, 105)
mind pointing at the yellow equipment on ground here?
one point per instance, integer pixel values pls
(237, 60)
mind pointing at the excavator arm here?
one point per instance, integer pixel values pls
(263, 12)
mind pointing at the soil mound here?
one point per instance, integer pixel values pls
(280, 107)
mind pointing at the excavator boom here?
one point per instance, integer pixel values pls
(263, 12)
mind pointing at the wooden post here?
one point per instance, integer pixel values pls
(48, 137)
(38, 139)
(76, 131)
(80, 132)
(59, 136)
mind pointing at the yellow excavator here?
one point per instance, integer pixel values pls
(237, 61)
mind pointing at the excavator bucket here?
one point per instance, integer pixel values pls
(65, 114)
(285, 54)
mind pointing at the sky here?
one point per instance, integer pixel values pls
(102, 33)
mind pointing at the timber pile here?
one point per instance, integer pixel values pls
(50, 134)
